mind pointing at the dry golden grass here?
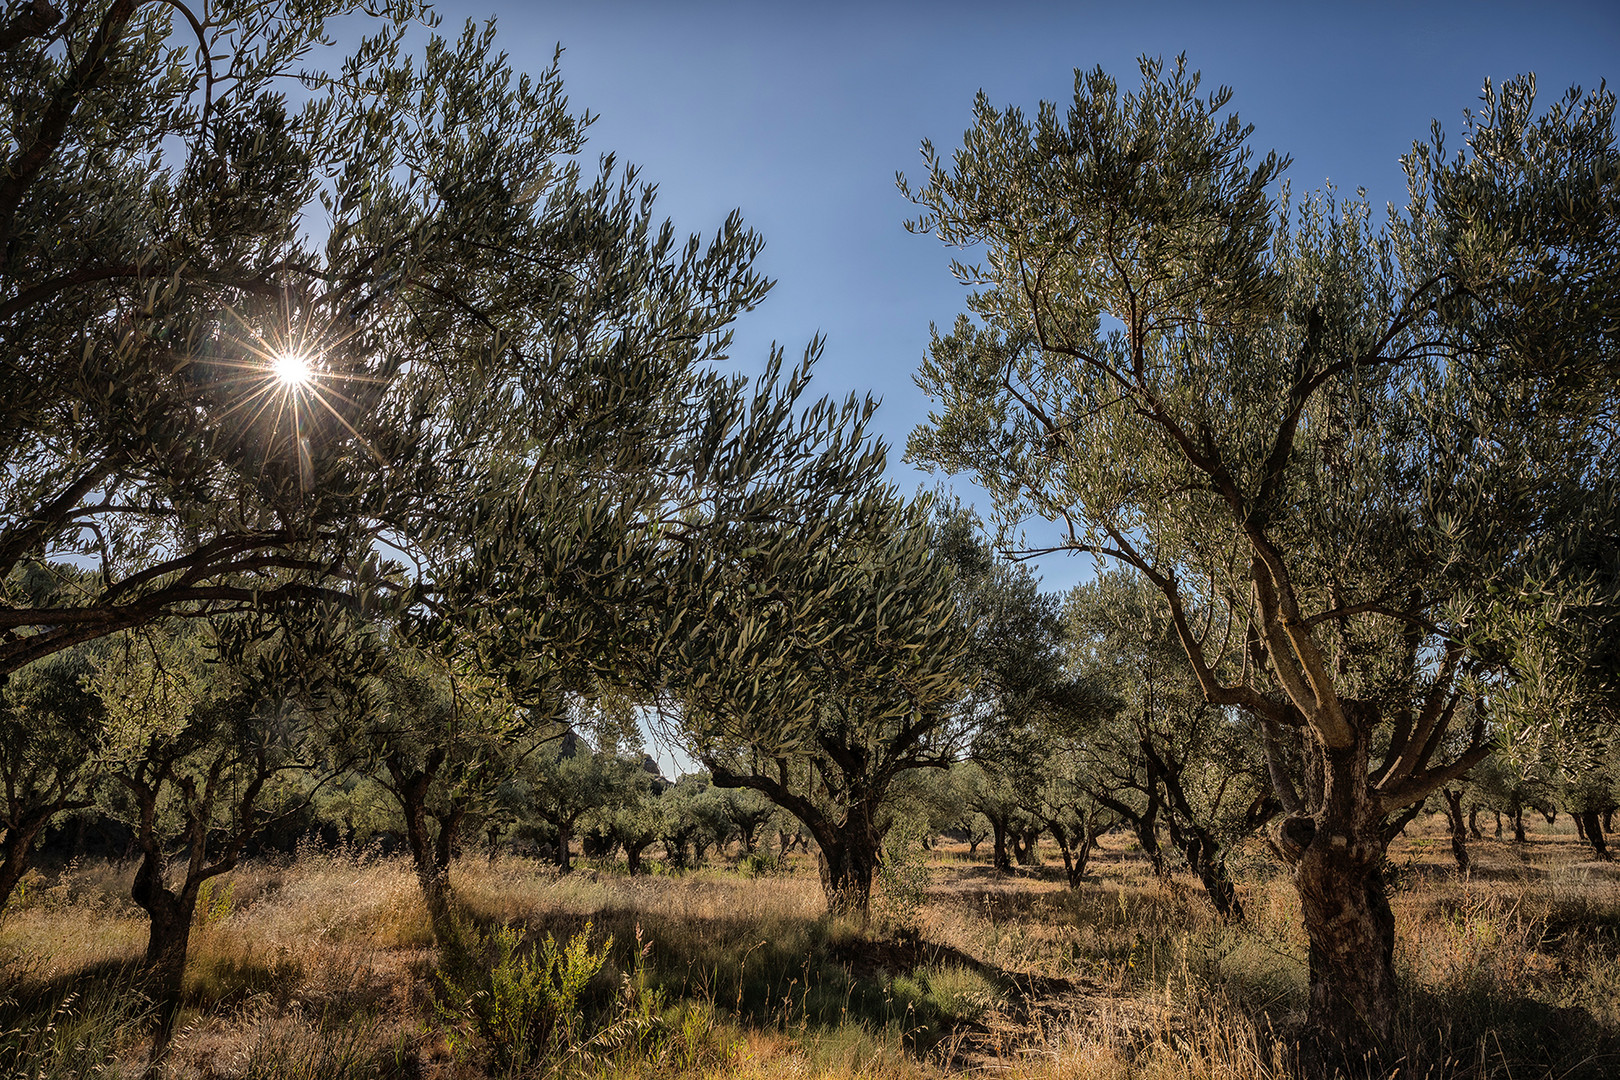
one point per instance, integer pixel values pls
(325, 968)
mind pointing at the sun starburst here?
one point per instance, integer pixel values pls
(292, 369)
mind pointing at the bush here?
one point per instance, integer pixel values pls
(522, 1004)
(758, 864)
(902, 880)
(527, 1006)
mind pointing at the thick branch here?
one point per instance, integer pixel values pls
(21, 170)
(27, 21)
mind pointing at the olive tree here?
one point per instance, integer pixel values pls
(251, 339)
(204, 726)
(444, 743)
(1328, 436)
(1161, 749)
(51, 730)
(829, 665)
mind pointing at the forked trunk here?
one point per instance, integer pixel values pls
(1209, 863)
(431, 874)
(14, 852)
(1024, 842)
(168, 939)
(429, 852)
(847, 869)
(1197, 844)
(1518, 826)
(1339, 876)
(1076, 845)
(1459, 834)
(632, 854)
(1590, 822)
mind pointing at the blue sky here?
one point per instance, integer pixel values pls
(800, 115)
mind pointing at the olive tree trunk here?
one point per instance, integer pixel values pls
(15, 850)
(430, 847)
(848, 867)
(1590, 823)
(1459, 832)
(1338, 854)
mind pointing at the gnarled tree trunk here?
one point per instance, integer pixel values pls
(1459, 833)
(1196, 843)
(1024, 843)
(171, 913)
(1338, 855)
(429, 852)
(1590, 822)
(1076, 844)
(15, 850)
(847, 871)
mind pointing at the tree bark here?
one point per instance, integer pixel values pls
(1144, 823)
(1459, 831)
(171, 913)
(632, 853)
(15, 850)
(1196, 843)
(1076, 846)
(1205, 858)
(1589, 821)
(1147, 837)
(847, 869)
(1473, 822)
(1339, 877)
(998, 848)
(1518, 825)
(565, 839)
(1024, 841)
(432, 873)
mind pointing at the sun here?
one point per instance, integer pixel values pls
(292, 369)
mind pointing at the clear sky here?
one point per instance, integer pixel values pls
(800, 115)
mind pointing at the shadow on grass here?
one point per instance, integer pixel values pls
(72, 1025)
(795, 974)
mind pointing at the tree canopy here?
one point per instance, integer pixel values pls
(1323, 434)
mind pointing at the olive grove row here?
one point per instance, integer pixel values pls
(361, 431)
